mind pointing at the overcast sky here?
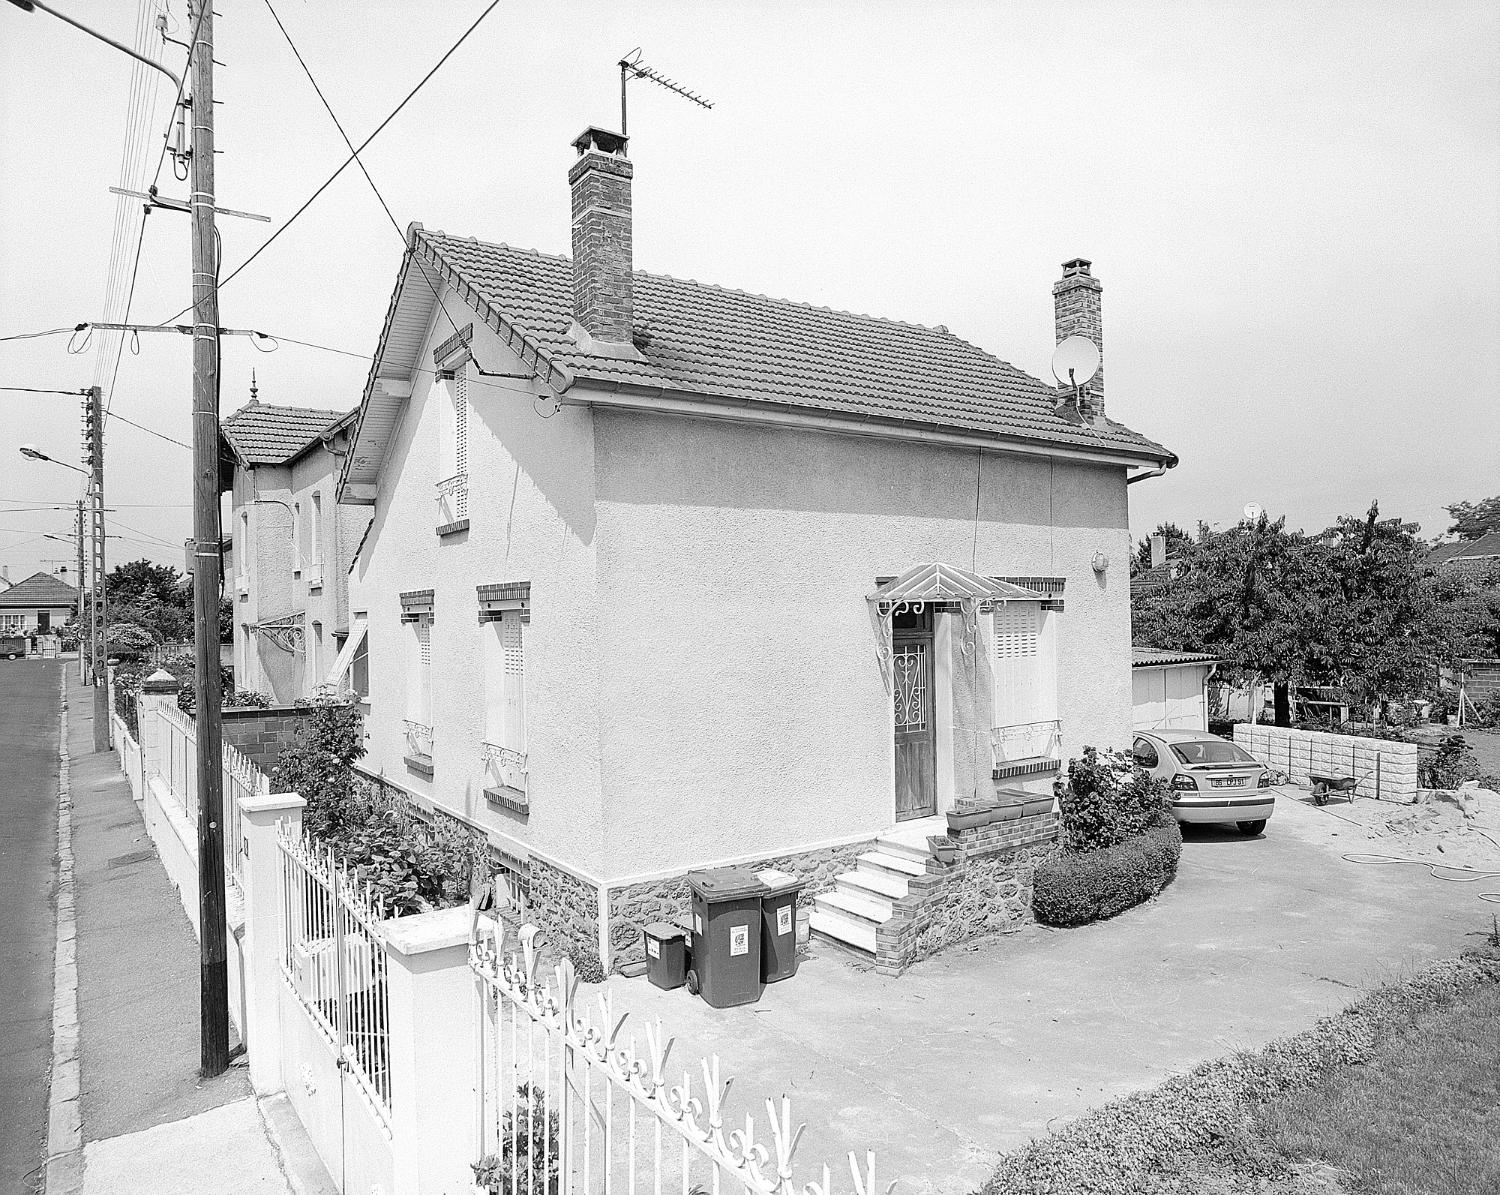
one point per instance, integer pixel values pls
(1292, 208)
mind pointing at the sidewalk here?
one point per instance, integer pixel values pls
(149, 1122)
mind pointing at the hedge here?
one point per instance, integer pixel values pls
(1077, 887)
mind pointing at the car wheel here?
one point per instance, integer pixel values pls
(1251, 829)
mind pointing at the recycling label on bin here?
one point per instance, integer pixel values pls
(739, 939)
(784, 919)
(653, 948)
(697, 923)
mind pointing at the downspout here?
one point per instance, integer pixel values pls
(1159, 471)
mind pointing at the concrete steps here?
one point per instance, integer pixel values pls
(864, 899)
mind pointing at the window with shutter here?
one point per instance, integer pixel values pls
(515, 683)
(461, 422)
(1023, 659)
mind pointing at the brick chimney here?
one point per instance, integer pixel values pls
(1158, 550)
(600, 182)
(1075, 299)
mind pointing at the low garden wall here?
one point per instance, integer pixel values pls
(262, 734)
(987, 890)
(1385, 769)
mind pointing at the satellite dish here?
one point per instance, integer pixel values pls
(1075, 361)
(1253, 510)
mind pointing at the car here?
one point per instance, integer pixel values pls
(12, 647)
(1211, 779)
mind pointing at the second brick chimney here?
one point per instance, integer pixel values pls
(600, 180)
(1075, 299)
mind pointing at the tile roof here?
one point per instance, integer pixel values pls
(712, 341)
(262, 434)
(1153, 657)
(1487, 545)
(39, 589)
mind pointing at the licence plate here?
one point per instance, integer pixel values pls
(1229, 782)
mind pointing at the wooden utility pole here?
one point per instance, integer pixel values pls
(214, 985)
(82, 581)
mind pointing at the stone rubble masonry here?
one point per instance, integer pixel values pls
(986, 891)
(636, 906)
(262, 734)
(564, 907)
(1076, 299)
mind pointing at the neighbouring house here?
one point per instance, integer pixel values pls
(1473, 557)
(39, 605)
(1170, 688)
(665, 575)
(289, 545)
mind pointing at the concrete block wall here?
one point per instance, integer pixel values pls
(1385, 769)
(262, 734)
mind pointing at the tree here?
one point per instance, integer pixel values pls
(1176, 539)
(1474, 519)
(141, 582)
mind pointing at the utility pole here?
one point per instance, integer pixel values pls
(78, 539)
(214, 985)
(99, 618)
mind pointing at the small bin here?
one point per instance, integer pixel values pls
(666, 955)
(778, 931)
(726, 936)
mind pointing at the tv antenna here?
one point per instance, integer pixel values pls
(631, 67)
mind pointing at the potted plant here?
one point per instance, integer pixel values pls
(943, 848)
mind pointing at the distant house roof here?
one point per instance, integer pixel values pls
(1155, 578)
(1155, 657)
(1468, 554)
(695, 340)
(262, 434)
(39, 590)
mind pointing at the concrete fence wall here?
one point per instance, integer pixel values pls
(1384, 769)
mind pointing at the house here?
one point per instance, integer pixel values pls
(664, 575)
(39, 605)
(1170, 688)
(289, 545)
(1472, 557)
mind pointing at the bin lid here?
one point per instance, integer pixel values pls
(725, 883)
(662, 931)
(777, 882)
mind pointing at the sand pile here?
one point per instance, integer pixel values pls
(1460, 828)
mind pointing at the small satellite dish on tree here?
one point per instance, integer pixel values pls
(1253, 511)
(1075, 361)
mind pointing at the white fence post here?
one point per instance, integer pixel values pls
(434, 1070)
(157, 690)
(265, 932)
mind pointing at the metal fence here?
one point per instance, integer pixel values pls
(571, 1105)
(335, 962)
(241, 779)
(177, 741)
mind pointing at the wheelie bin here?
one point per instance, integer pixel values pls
(778, 910)
(726, 936)
(666, 954)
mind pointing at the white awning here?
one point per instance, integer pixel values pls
(345, 660)
(945, 583)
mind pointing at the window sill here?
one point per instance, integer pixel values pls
(508, 798)
(452, 528)
(420, 764)
(1026, 767)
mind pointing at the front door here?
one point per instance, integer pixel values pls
(43, 622)
(916, 736)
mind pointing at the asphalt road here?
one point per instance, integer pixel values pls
(28, 869)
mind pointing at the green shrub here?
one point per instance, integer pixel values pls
(1078, 887)
(1449, 766)
(529, 1158)
(1106, 798)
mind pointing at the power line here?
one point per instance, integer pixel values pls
(36, 335)
(152, 432)
(37, 390)
(269, 241)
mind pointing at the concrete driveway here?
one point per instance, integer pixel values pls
(980, 1049)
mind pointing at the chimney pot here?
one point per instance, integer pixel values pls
(602, 243)
(1076, 305)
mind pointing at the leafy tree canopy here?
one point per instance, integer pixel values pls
(1474, 519)
(1176, 539)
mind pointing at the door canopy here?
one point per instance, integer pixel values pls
(947, 589)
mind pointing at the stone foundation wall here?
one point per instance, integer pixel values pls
(636, 906)
(986, 891)
(565, 908)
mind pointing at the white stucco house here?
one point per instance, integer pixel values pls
(39, 605)
(664, 575)
(290, 545)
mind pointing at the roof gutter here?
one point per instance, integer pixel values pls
(1148, 474)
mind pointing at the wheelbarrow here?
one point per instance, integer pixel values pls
(1323, 787)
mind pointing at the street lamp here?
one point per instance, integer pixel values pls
(32, 452)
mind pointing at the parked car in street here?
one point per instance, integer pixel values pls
(12, 647)
(1212, 779)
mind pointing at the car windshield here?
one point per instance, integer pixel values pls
(1210, 751)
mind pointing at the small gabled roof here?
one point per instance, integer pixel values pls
(39, 590)
(938, 582)
(698, 341)
(262, 434)
(1155, 657)
(1486, 547)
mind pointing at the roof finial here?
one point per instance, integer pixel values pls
(254, 389)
